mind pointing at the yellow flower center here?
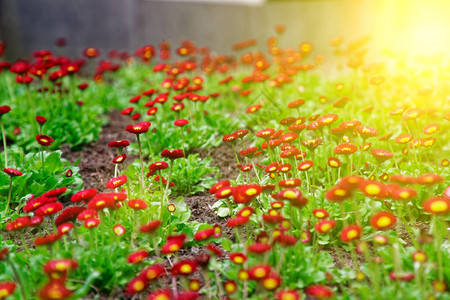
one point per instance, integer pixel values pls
(384, 222)
(438, 206)
(373, 189)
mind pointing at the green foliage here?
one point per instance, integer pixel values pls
(35, 179)
(193, 174)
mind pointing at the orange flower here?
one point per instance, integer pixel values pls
(271, 282)
(383, 220)
(437, 205)
(412, 114)
(320, 213)
(337, 194)
(296, 103)
(305, 165)
(324, 226)
(137, 204)
(432, 128)
(428, 179)
(137, 256)
(381, 155)
(372, 188)
(345, 149)
(319, 291)
(334, 162)
(238, 258)
(327, 120)
(366, 132)
(288, 295)
(259, 272)
(403, 138)
(350, 233)
(253, 108)
(403, 193)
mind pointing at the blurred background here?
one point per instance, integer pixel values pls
(412, 26)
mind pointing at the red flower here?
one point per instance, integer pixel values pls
(119, 144)
(350, 233)
(319, 291)
(86, 214)
(127, 111)
(41, 120)
(381, 155)
(305, 165)
(69, 214)
(7, 288)
(230, 287)
(48, 239)
(91, 222)
(153, 272)
(259, 272)
(12, 172)
(403, 193)
(246, 193)
(227, 138)
(437, 205)
(224, 192)
(373, 188)
(137, 204)
(55, 192)
(119, 159)
(116, 182)
(383, 220)
(337, 194)
(91, 52)
(259, 248)
(288, 295)
(57, 269)
(138, 128)
(184, 267)
(238, 258)
(345, 149)
(287, 183)
(324, 226)
(181, 122)
(366, 132)
(218, 186)
(265, 133)
(320, 213)
(172, 154)
(44, 140)
(101, 201)
(428, 179)
(85, 195)
(237, 221)
(48, 209)
(136, 285)
(19, 223)
(173, 244)
(296, 103)
(150, 227)
(119, 230)
(137, 256)
(253, 108)
(271, 282)
(204, 234)
(164, 294)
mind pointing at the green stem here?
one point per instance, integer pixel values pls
(9, 195)
(4, 142)
(17, 277)
(141, 162)
(24, 244)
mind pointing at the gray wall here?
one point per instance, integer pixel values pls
(127, 24)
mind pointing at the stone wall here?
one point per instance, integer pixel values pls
(29, 25)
